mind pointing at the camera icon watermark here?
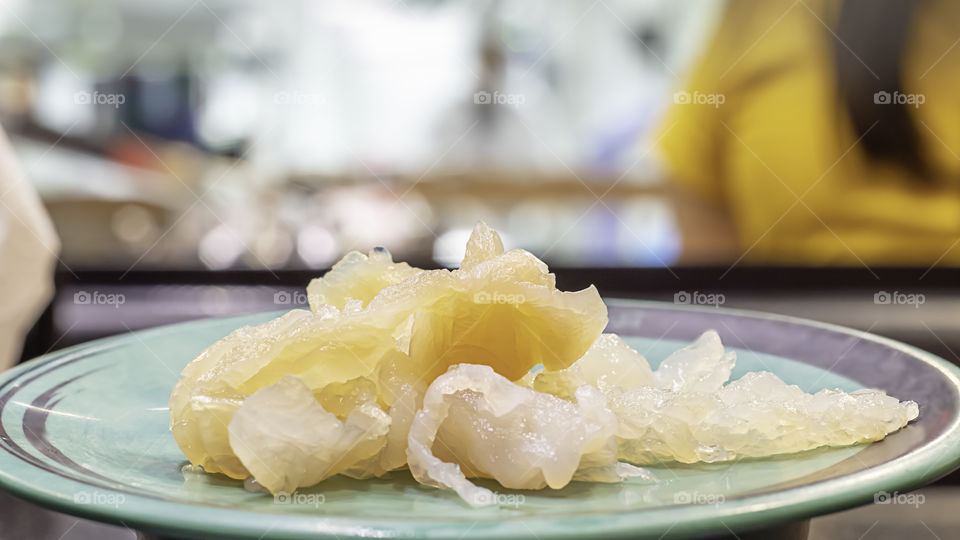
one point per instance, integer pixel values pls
(699, 98)
(498, 98)
(488, 297)
(114, 100)
(898, 98)
(697, 298)
(909, 499)
(897, 298)
(97, 298)
(486, 498)
(696, 497)
(99, 498)
(298, 498)
(290, 298)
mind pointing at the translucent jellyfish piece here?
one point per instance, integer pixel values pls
(502, 309)
(401, 388)
(613, 367)
(477, 423)
(756, 416)
(357, 276)
(341, 398)
(484, 244)
(199, 425)
(285, 438)
(761, 415)
(539, 327)
(702, 366)
(402, 413)
(610, 365)
(320, 348)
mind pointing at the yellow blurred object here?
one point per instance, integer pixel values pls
(758, 129)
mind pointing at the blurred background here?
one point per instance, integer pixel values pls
(202, 158)
(208, 145)
(234, 135)
(199, 157)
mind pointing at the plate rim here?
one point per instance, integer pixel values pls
(935, 458)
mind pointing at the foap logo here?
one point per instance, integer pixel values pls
(297, 498)
(699, 98)
(899, 98)
(697, 298)
(909, 499)
(97, 298)
(290, 298)
(696, 497)
(897, 298)
(485, 297)
(487, 497)
(309, 99)
(99, 98)
(499, 98)
(99, 498)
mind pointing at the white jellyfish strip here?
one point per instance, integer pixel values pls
(692, 414)
(756, 416)
(686, 411)
(475, 422)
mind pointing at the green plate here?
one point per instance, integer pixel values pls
(84, 431)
